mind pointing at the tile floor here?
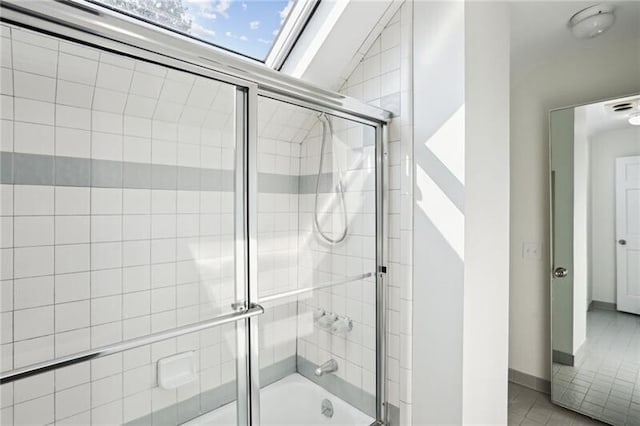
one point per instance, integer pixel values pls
(605, 380)
(528, 407)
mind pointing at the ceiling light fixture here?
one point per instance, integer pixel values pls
(592, 21)
(634, 119)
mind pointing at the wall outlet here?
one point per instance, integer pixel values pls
(531, 250)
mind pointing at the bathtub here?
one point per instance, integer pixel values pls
(293, 400)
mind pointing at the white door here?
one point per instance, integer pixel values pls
(628, 233)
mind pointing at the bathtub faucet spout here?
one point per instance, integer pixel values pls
(328, 367)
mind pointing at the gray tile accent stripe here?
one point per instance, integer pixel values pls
(35, 169)
(72, 172)
(273, 183)
(344, 390)
(210, 400)
(6, 168)
(277, 371)
(29, 169)
(106, 174)
(216, 180)
(529, 381)
(308, 183)
(136, 176)
(163, 177)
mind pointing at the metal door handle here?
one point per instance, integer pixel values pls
(622, 242)
(560, 272)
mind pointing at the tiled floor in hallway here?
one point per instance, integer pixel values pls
(605, 380)
(528, 407)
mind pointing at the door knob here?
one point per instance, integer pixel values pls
(622, 242)
(560, 272)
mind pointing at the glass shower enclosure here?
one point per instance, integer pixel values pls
(181, 242)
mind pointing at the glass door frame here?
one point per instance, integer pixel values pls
(381, 130)
(77, 22)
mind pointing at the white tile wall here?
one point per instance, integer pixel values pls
(114, 263)
(291, 255)
(84, 267)
(353, 154)
(383, 78)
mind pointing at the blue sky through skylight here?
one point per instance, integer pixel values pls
(248, 27)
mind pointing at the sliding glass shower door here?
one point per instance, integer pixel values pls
(316, 246)
(178, 248)
(122, 218)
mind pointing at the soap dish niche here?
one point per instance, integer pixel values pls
(177, 370)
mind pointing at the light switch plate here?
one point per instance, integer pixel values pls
(531, 250)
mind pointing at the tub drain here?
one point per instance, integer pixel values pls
(326, 408)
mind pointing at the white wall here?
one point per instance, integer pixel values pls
(461, 238)
(486, 280)
(439, 138)
(605, 148)
(592, 73)
(580, 227)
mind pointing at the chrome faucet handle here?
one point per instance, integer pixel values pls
(342, 325)
(318, 313)
(328, 367)
(327, 320)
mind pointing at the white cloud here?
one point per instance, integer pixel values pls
(285, 12)
(261, 40)
(244, 6)
(232, 35)
(275, 32)
(202, 9)
(201, 32)
(254, 25)
(222, 6)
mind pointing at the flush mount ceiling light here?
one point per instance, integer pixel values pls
(592, 21)
(634, 119)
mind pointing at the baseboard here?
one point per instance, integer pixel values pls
(529, 381)
(563, 358)
(393, 415)
(603, 306)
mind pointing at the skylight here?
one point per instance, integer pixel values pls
(248, 27)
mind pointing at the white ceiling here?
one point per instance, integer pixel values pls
(540, 33)
(600, 118)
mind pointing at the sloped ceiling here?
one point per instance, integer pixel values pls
(329, 47)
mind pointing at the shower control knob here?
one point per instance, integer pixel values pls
(560, 272)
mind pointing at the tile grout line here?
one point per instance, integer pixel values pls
(54, 373)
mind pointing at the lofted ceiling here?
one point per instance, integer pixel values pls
(540, 32)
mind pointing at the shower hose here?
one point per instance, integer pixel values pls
(327, 128)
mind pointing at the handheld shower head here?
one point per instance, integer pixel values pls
(326, 125)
